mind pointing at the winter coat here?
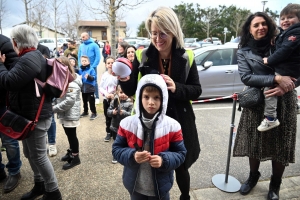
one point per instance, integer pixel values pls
(286, 57)
(68, 106)
(165, 140)
(11, 57)
(108, 84)
(125, 105)
(44, 50)
(90, 49)
(252, 70)
(179, 106)
(19, 81)
(89, 82)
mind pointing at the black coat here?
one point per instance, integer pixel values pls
(44, 50)
(11, 57)
(19, 81)
(179, 106)
(286, 58)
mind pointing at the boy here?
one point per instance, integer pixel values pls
(285, 59)
(119, 108)
(88, 75)
(149, 144)
(107, 88)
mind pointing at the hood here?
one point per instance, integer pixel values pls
(88, 41)
(85, 67)
(78, 80)
(153, 80)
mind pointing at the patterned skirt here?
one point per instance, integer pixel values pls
(277, 144)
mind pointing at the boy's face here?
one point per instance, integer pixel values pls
(109, 63)
(84, 61)
(288, 20)
(122, 95)
(151, 103)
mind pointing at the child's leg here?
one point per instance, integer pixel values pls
(114, 134)
(91, 99)
(106, 103)
(85, 102)
(270, 106)
(72, 138)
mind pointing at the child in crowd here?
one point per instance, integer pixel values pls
(68, 112)
(73, 63)
(149, 144)
(285, 59)
(107, 88)
(119, 108)
(88, 88)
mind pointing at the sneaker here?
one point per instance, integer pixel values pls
(97, 101)
(84, 114)
(93, 116)
(267, 125)
(52, 150)
(114, 161)
(107, 138)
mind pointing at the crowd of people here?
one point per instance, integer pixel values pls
(148, 113)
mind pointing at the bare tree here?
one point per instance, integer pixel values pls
(239, 17)
(40, 18)
(109, 8)
(55, 7)
(29, 5)
(210, 18)
(3, 13)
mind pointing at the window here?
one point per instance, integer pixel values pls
(117, 33)
(90, 33)
(201, 57)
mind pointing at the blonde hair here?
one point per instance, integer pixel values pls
(64, 60)
(167, 21)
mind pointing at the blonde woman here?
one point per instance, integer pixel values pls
(166, 56)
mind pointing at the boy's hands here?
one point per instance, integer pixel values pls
(86, 76)
(155, 161)
(110, 96)
(142, 156)
(265, 60)
(145, 156)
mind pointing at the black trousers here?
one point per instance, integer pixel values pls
(114, 134)
(89, 97)
(72, 138)
(106, 103)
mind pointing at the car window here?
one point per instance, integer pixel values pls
(41, 41)
(226, 56)
(216, 58)
(201, 57)
(189, 40)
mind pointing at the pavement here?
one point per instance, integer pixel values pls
(96, 178)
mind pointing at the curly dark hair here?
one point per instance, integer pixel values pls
(245, 32)
(125, 52)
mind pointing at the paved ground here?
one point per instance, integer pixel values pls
(97, 178)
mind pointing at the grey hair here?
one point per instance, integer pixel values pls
(24, 36)
(167, 21)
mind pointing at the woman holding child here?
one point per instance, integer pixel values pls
(277, 144)
(166, 56)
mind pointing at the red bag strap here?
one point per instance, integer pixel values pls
(40, 109)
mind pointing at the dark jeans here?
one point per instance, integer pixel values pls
(52, 132)
(89, 97)
(12, 152)
(138, 196)
(107, 119)
(72, 138)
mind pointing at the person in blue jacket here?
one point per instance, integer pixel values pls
(88, 87)
(149, 144)
(90, 49)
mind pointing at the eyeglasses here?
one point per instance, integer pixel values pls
(161, 35)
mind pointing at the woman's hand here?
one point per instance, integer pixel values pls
(170, 83)
(285, 82)
(277, 91)
(2, 57)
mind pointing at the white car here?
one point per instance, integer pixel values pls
(51, 44)
(215, 40)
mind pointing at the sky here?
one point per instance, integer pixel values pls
(134, 17)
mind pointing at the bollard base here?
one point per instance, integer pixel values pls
(233, 184)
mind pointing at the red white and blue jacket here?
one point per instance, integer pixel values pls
(165, 141)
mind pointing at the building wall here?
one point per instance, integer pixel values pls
(47, 33)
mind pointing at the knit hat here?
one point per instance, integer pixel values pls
(72, 58)
(122, 67)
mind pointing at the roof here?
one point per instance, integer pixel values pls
(100, 23)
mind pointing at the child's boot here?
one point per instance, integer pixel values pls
(72, 162)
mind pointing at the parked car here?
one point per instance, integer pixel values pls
(142, 44)
(101, 44)
(199, 44)
(189, 41)
(218, 71)
(215, 40)
(51, 44)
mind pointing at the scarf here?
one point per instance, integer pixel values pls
(25, 50)
(260, 47)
